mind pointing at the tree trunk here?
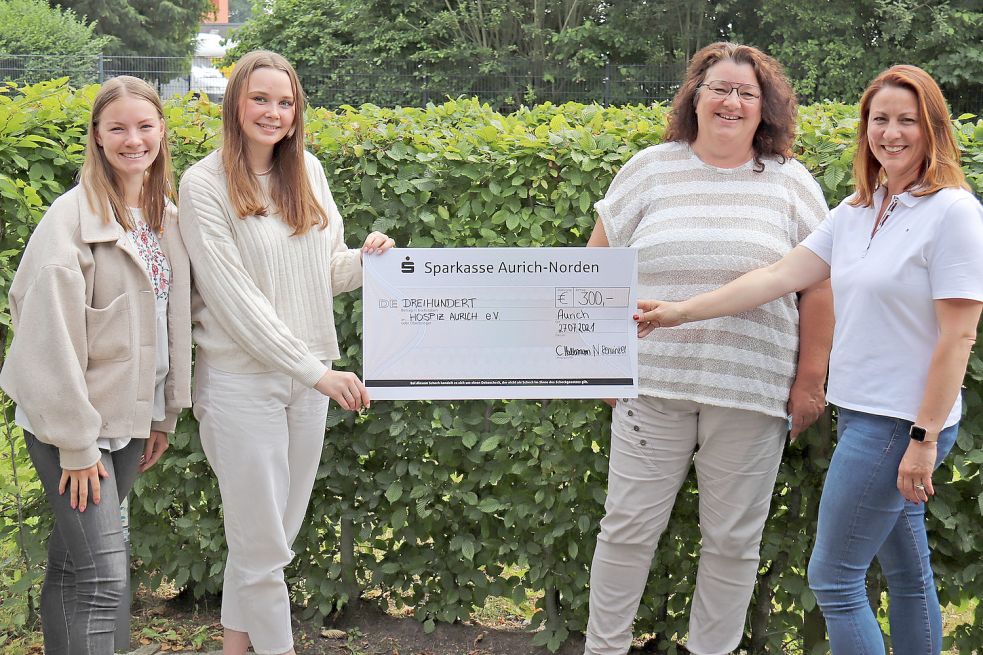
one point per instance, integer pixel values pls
(553, 618)
(348, 577)
(761, 611)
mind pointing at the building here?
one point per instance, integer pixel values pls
(220, 15)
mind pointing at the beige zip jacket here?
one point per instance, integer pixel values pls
(82, 362)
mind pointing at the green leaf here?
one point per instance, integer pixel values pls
(394, 492)
(489, 505)
(398, 518)
(500, 418)
(834, 175)
(491, 443)
(807, 599)
(585, 199)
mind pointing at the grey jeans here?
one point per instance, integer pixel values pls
(86, 572)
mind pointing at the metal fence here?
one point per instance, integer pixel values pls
(169, 75)
(505, 84)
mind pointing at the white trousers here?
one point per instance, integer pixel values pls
(653, 441)
(263, 434)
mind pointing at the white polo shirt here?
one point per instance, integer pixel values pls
(929, 248)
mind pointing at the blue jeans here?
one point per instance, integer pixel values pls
(862, 515)
(85, 576)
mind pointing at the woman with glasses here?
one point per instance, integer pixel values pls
(719, 198)
(905, 257)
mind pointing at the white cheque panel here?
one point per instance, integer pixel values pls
(458, 323)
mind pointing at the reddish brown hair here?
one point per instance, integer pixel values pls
(290, 189)
(775, 133)
(940, 168)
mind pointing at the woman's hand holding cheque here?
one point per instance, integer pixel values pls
(658, 313)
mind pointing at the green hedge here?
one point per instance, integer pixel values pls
(443, 504)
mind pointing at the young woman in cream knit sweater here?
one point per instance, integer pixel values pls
(268, 254)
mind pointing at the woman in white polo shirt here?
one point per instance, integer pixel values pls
(905, 257)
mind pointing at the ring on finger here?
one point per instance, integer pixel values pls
(919, 486)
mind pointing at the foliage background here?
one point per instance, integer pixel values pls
(586, 39)
(31, 26)
(442, 504)
(158, 28)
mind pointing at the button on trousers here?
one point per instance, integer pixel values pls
(653, 441)
(262, 434)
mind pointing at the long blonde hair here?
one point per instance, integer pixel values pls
(99, 180)
(940, 168)
(290, 189)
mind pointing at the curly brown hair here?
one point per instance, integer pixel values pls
(775, 133)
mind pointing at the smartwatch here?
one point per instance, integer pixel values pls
(918, 433)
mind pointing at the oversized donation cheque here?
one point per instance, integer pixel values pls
(456, 323)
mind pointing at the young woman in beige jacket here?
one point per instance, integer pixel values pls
(100, 364)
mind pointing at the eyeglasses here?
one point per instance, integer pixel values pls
(746, 92)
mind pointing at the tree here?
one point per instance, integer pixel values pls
(240, 11)
(342, 44)
(39, 42)
(529, 50)
(159, 28)
(313, 33)
(501, 48)
(832, 49)
(31, 27)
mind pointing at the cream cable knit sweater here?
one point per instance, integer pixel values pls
(265, 296)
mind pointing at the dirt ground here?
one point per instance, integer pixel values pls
(382, 634)
(181, 627)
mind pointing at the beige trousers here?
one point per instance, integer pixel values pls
(262, 434)
(653, 440)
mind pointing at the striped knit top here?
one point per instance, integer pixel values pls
(267, 295)
(697, 227)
